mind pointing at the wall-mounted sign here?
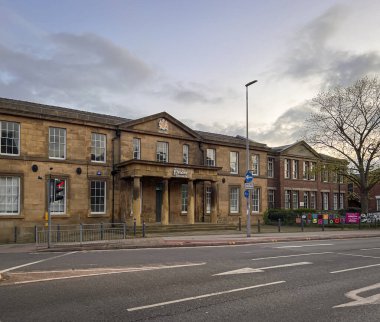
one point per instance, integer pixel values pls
(163, 125)
(98, 173)
(182, 173)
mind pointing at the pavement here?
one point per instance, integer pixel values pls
(212, 239)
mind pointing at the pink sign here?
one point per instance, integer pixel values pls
(352, 218)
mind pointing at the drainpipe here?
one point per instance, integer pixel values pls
(114, 172)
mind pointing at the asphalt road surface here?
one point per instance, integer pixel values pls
(332, 280)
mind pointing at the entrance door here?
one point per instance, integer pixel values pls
(158, 202)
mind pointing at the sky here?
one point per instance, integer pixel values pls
(190, 58)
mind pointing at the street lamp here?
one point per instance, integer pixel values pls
(247, 152)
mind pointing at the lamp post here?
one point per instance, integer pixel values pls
(247, 153)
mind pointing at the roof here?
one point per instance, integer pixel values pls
(239, 140)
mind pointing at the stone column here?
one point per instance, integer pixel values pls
(165, 202)
(190, 203)
(214, 199)
(136, 201)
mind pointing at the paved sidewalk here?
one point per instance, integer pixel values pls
(178, 240)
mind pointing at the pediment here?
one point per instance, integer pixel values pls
(301, 149)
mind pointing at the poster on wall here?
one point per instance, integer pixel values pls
(352, 218)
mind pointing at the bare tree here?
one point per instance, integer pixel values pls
(346, 123)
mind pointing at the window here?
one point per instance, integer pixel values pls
(295, 199)
(325, 174)
(378, 203)
(334, 177)
(98, 147)
(287, 168)
(57, 143)
(255, 164)
(306, 170)
(98, 197)
(270, 167)
(59, 207)
(306, 199)
(208, 200)
(287, 199)
(313, 202)
(340, 178)
(325, 200)
(210, 158)
(234, 200)
(341, 201)
(162, 152)
(9, 196)
(312, 171)
(10, 138)
(185, 153)
(256, 200)
(184, 197)
(335, 205)
(295, 169)
(271, 204)
(136, 149)
(234, 162)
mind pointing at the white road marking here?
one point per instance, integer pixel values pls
(261, 269)
(299, 246)
(285, 256)
(358, 300)
(357, 255)
(353, 269)
(97, 272)
(370, 248)
(201, 296)
(36, 262)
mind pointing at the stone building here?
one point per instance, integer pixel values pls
(154, 169)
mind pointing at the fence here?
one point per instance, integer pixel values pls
(83, 234)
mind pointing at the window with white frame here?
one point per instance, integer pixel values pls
(287, 168)
(210, 157)
(57, 143)
(341, 201)
(255, 162)
(325, 174)
(59, 207)
(234, 162)
(270, 167)
(325, 200)
(313, 201)
(208, 200)
(9, 195)
(256, 200)
(335, 201)
(287, 199)
(271, 202)
(136, 149)
(305, 170)
(98, 197)
(10, 138)
(295, 199)
(295, 169)
(234, 200)
(162, 152)
(306, 199)
(98, 147)
(184, 197)
(334, 176)
(185, 154)
(340, 177)
(312, 170)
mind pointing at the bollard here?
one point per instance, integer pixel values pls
(143, 228)
(124, 230)
(101, 231)
(258, 226)
(279, 225)
(239, 223)
(15, 232)
(134, 227)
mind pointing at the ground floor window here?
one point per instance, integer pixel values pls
(336, 196)
(184, 197)
(58, 207)
(306, 199)
(234, 200)
(325, 200)
(295, 199)
(287, 199)
(312, 200)
(98, 197)
(208, 200)
(271, 199)
(256, 200)
(378, 203)
(9, 195)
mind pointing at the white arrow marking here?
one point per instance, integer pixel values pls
(260, 270)
(358, 300)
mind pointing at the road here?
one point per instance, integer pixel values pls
(332, 280)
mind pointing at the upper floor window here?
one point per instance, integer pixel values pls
(234, 162)
(9, 195)
(98, 147)
(162, 152)
(295, 169)
(287, 168)
(57, 143)
(185, 153)
(10, 138)
(255, 158)
(312, 170)
(234, 200)
(306, 170)
(136, 149)
(270, 167)
(325, 174)
(210, 158)
(98, 197)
